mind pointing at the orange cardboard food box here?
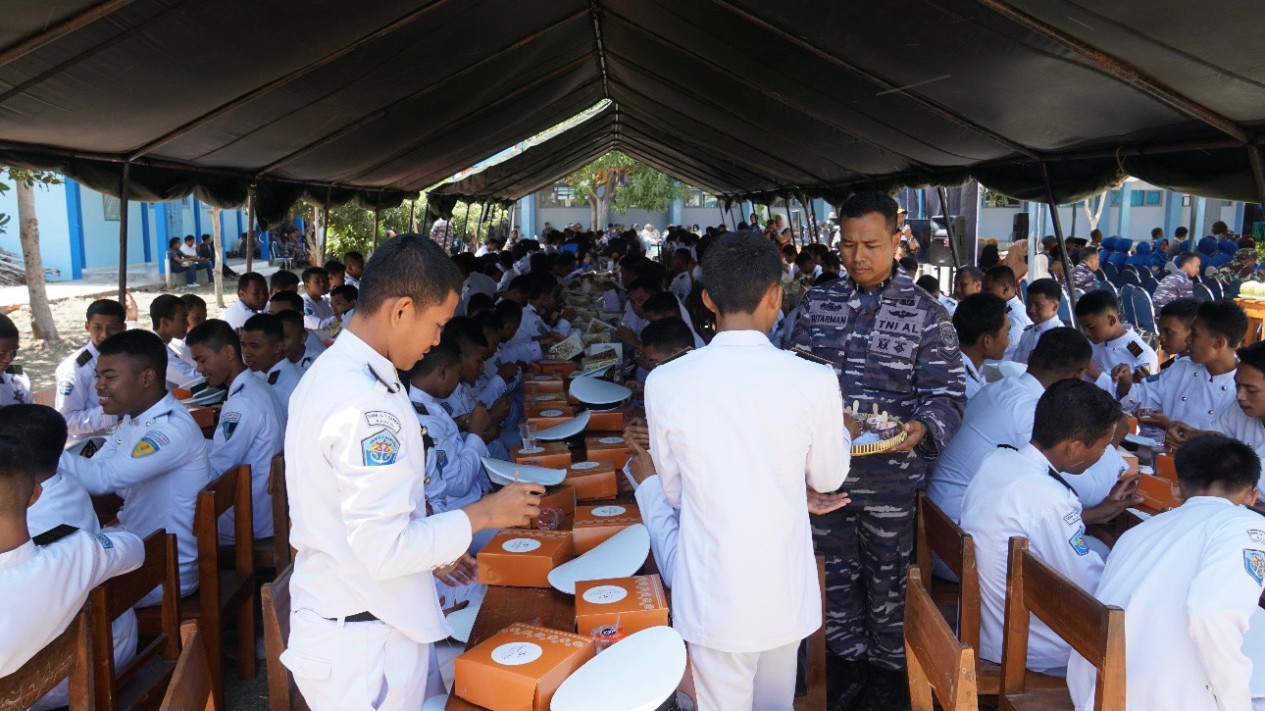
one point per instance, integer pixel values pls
(546, 399)
(522, 558)
(1159, 494)
(608, 420)
(634, 604)
(560, 368)
(594, 524)
(548, 414)
(537, 384)
(520, 667)
(608, 448)
(554, 455)
(592, 480)
(1165, 468)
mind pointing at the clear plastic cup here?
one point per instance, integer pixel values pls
(527, 431)
(549, 518)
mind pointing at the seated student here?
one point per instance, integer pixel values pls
(479, 303)
(252, 298)
(317, 312)
(180, 263)
(1242, 419)
(468, 336)
(541, 299)
(511, 316)
(1189, 582)
(1085, 273)
(263, 351)
(682, 274)
(171, 323)
(206, 250)
(195, 314)
(639, 292)
(252, 422)
(77, 378)
(47, 583)
(1025, 493)
(15, 385)
(724, 472)
(517, 290)
(190, 249)
(1196, 389)
(343, 301)
(1043, 310)
(661, 340)
(337, 274)
(984, 334)
(295, 344)
(831, 265)
(354, 266)
(1115, 342)
(156, 460)
(291, 301)
(498, 376)
(1000, 281)
(1174, 324)
(283, 280)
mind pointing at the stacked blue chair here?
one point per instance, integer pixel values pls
(1126, 301)
(1202, 293)
(1149, 282)
(1143, 311)
(1218, 260)
(1130, 277)
(1214, 287)
(1109, 272)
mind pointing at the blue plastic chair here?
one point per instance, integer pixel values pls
(1143, 311)
(1218, 260)
(1202, 293)
(1126, 301)
(1108, 286)
(1130, 276)
(1108, 271)
(1065, 311)
(1116, 259)
(1149, 283)
(1214, 287)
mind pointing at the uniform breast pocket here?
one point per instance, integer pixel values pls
(889, 363)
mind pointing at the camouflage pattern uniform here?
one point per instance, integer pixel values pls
(1238, 270)
(1084, 279)
(898, 351)
(1173, 287)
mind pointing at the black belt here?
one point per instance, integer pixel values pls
(358, 617)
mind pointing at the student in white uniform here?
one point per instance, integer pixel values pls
(312, 345)
(983, 334)
(1174, 323)
(252, 422)
(743, 624)
(317, 312)
(252, 298)
(1115, 342)
(46, 584)
(682, 270)
(156, 460)
(1241, 420)
(541, 298)
(195, 314)
(1043, 311)
(365, 610)
(1000, 281)
(1189, 581)
(1025, 493)
(342, 299)
(77, 378)
(293, 343)
(263, 350)
(15, 385)
(354, 264)
(170, 319)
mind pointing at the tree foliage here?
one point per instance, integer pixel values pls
(29, 178)
(617, 183)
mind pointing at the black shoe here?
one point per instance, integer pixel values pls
(888, 690)
(845, 682)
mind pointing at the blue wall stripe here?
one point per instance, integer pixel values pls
(74, 216)
(149, 250)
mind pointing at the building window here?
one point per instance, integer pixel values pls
(110, 205)
(698, 198)
(561, 195)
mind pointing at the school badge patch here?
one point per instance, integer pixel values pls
(380, 449)
(1077, 542)
(145, 447)
(66, 387)
(1254, 563)
(228, 424)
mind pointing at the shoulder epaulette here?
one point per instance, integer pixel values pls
(811, 357)
(678, 355)
(14, 370)
(236, 390)
(53, 535)
(83, 358)
(273, 377)
(420, 409)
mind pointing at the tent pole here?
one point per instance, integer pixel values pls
(789, 224)
(483, 216)
(425, 216)
(812, 210)
(1058, 234)
(722, 214)
(812, 224)
(412, 211)
(948, 226)
(324, 236)
(1257, 157)
(465, 222)
(124, 184)
(250, 227)
(375, 229)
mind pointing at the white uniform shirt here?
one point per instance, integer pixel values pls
(949, 303)
(1095, 483)
(251, 431)
(284, 377)
(457, 478)
(974, 379)
(237, 314)
(1189, 580)
(1001, 413)
(662, 521)
(531, 327)
(179, 373)
(1017, 315)
(77, 394)
(157, 462)
(1130, 349)
(350, 280)
(681, 286)
(724, 474)
(1233, 422)
(1184, 391)
(461, 401)
(15, 387)
(182, 349)
(63, 500)
(355, 467)
(317, 313)
(312, 348)
(1032, 334)
(1013, 494)
(55, 580)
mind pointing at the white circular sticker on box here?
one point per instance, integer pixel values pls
(521, 545)
(611, 440)
(580, 466)
(551, 413)
(609, 510)
(605, 594)
(516, 654)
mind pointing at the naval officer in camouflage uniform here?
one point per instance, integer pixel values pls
(893, 346)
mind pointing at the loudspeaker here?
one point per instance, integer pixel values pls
(940, 254)
(1019, 228)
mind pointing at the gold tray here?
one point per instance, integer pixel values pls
(863, 450)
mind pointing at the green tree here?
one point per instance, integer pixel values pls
(617, 183)
(42, 325)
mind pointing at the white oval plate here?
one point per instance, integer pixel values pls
(570, 428)
(619, 556)
(503, 473)
(637, 673)
(598, 392)
(462, 621)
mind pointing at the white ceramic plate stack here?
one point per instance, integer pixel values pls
(599, 394)
(570, 428)
(504, 473)
(619, 556)
(637, 673)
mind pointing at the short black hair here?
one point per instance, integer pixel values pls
(42, 428)
(1253, 356)
(288, 298)
(1180, 232)
(862, 204)
(649, 285)
(465, 332)
(1156, 231)
(347, 291)
(480, 302)
(215, 334)
(1186, 258)
(540, 282)
(667, 335)
(193, 301)
(165, 306)
(266, 324)
(8, 329)
(446, 352)
(107, 307)
(1060, 351)
(522, 283)
(244, 281)
(291, 317)
(662, 303)
(1209, 459)
(314, 271)
(1085, 253)
(909, 264)
(738, 271)
(973, 273)
(1046, 287)
(408, 265)
(1097, 302)
(354, 256)
(1226, 318)
(488, 321)
(1096, 414)
(509, 312)
(17, 474)
(333, 266)
(979, 315)
(929, 284)
(1003, 275)
(143, 346)
(282, 280)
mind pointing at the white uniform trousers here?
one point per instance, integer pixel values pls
(351, 666)
(737, 681)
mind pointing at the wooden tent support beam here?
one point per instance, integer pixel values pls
(376, 212)
(124, 185)
(1058, 234)
(89, 15)
(250, 228)
(948, 227)
(1256, 155)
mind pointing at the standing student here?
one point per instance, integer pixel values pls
(1043, 310)
(170, 318)
(984, 334)
(1001, 282)
(76, 376)
(745, 596)
(1189, 581)
(364, 605)
(15, 385)
(252, 298)
(263, 350)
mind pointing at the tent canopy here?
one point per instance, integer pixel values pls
(334, 101)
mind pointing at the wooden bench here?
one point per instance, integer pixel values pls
(193, 682)
(283, 694)
(142, 681)
(938, 662)
(67, 656)
(1093, 629)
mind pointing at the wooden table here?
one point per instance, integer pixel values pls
(1255, 310)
